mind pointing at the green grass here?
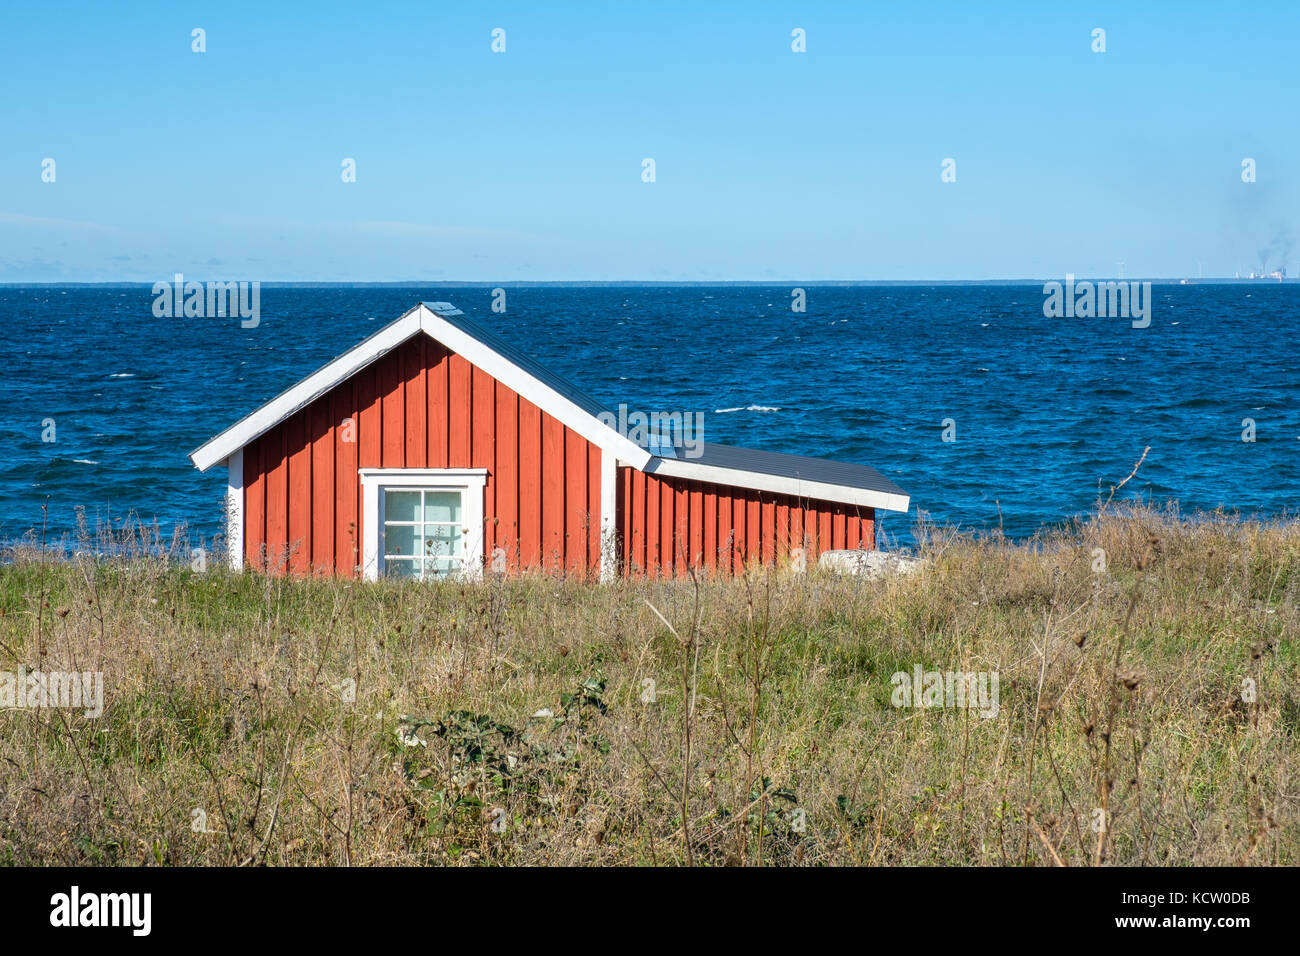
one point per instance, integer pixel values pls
(227, 704)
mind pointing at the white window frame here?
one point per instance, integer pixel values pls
(470, 482)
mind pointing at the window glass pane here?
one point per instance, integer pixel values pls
(440, 567)
(399, 540)
(442, 540)
(442, 506)
(422, 534)
(399, 568)
(402, 506)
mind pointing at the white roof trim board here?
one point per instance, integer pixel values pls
(439, 320)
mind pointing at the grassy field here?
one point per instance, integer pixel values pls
(1149, 711)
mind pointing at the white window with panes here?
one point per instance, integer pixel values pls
(422, 523)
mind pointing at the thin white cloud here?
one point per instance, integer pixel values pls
(420, 230)
(47, 222)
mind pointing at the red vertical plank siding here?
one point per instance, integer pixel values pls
(667, 529)
(688, 523)
(623, 516)
(639, 520)
(594, 516)
(575, 501)
(725, 564)
(460, 388)
(709, 539)
(782, 530)
(552, 494)
(852, 529)
(738, 514)
(393, 409)
(322, 486)
(483, 453)
(370, 420)
(695, 506)
(796, 527)
(436, 387)
(254, 511)
(530, 484)
(768, 534)
(298, 451)
(415, 409)
(347, 524)
(369, 434)
(277, 499)
(506, 479)
(681, 527)
(651, 526)
(753, 527)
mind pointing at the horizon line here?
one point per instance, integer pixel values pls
(578, 283)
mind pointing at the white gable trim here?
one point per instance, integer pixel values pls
(759, 481)
(420, 318)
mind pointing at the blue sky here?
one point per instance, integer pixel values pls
(526, 165)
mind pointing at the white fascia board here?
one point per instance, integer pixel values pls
(305, 392)
(797, 487)
(540, 394)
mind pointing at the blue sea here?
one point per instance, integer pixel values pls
(1046, 413)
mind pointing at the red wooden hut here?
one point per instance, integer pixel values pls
(435, 447)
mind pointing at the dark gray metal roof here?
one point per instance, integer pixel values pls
(801, 467)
